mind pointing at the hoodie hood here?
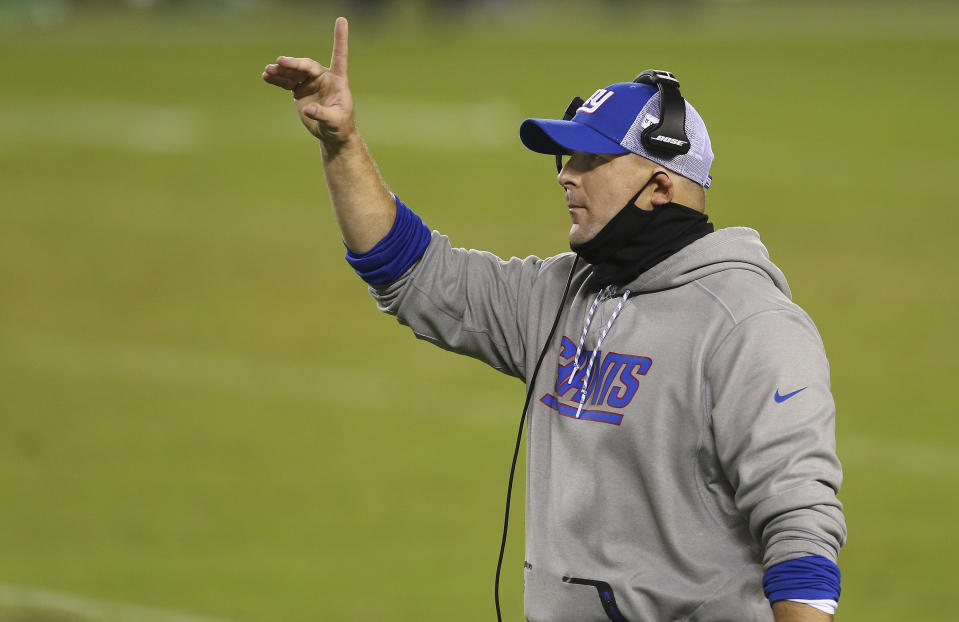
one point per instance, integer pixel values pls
(733, 248)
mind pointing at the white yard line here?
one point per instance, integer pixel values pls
(125, 126)
(170, 366)
(902, 457)
(327, 384)
(95, 610)
(438, 124)
(151, 129)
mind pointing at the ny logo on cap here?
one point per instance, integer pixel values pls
(595, 100)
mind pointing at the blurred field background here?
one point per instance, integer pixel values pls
(204, 417)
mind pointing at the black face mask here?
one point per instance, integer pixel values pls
(635, 240)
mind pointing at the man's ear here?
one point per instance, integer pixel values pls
(663, 188)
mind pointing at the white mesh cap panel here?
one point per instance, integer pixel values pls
(694, 164)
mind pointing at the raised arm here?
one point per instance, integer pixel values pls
(362, 202)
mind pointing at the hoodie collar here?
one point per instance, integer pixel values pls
(733, 248)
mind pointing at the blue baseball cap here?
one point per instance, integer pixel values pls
(612, 121)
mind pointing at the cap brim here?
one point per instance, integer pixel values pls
(564, 137)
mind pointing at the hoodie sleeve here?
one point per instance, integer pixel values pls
(773, 418)
(466, 301)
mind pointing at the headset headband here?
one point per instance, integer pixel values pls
(667, 137)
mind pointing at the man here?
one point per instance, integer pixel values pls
(681, 446)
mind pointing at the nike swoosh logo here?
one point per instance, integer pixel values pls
(782, 398)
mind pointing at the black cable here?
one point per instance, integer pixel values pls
(519, 436)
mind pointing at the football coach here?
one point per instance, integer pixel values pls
(681, 460)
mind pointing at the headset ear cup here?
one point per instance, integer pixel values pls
(668, 137)
(572, 108)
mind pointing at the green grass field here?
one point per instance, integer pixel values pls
(202, 411)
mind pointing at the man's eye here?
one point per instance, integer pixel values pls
(594, 159)
(584, 160)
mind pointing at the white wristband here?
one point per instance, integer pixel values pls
(826, 605)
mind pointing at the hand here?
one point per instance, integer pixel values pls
(322, 95)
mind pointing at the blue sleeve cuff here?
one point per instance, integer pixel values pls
(813, 577)
(394, 254)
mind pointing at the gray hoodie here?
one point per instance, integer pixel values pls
(703, 449)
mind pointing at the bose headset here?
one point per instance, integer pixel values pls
(666, 138)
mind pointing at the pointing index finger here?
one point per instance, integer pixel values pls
(341, 33)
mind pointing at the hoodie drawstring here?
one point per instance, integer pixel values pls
(602, 336)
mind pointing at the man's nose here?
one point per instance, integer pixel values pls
(568, 176)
